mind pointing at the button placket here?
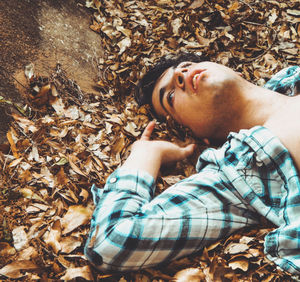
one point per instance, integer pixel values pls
(113, 180)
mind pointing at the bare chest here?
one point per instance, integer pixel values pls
(285, 124)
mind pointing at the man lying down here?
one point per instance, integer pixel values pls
(254, 174)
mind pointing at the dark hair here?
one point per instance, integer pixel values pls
(144, 88)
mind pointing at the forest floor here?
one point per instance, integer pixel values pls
(68, 118)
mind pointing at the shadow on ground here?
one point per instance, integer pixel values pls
(44, 32)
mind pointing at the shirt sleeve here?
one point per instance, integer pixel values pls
(131, 230)
(286, 81)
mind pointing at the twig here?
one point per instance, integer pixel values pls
(247, 5)
(5, 162)
(252, 23)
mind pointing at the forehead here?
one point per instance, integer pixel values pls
(160, 87)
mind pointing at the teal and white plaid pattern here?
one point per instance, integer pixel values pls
(287, 81)
(252, 174)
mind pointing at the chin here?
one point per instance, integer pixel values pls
(198, 134)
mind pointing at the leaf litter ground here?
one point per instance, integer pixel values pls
(63, 140)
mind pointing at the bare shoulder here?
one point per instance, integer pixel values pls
(285, 124)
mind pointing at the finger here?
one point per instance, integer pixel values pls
(206, 141)
(148, 131)
(188, 150)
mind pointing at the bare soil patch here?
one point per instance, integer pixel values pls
(44, 33)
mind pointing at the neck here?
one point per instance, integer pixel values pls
(254, 106)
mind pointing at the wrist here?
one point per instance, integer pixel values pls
(144, 160)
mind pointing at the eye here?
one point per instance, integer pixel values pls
(170, 98)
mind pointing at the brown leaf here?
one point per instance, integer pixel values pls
(42, 97)
(12, 144)
(53, 237)
(61, 178)
(26, 176)
(26, 124)
(83, 272)
(118, 146)
(196, 4)
(235, 248)
(233, 7)
(29, 194)
(13, 270)
(84, 194)
(28, 253)
(6, 249)
(20, 237)
(75, 217)
(131, 128)
(189, 275)
(69, 244)
(15, 162)
(72, 160)
(242, 264)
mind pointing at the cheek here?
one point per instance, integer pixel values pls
(188, 113)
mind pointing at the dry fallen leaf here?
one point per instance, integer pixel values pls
(189, 275)
(28, 254)
(256, 39)
(196, 4)
(13, 147)
(235, 248)
(13, 270)
(20, 238)
(78, 272)
(72, 159)
(75, 217)
(241, 263)
(52, 238)
(69, 244)
(6, 249)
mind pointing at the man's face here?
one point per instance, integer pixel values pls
(197, 95)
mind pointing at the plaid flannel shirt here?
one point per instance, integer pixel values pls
(251, 174)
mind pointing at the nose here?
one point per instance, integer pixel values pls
(179, 75)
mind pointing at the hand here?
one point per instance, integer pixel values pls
(150, 155)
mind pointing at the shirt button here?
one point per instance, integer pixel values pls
(259, 162)
(113, 180)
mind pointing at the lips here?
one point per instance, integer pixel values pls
(195, 76)
(195, 80)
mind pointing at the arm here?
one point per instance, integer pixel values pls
(131, 230)
(150, 155)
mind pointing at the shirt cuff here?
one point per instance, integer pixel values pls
(130, 180)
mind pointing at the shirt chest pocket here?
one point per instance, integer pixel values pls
(263, 180)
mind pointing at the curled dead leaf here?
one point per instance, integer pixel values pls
(13, 270)
(72, 159)
(69, 244)
(6, 249)
(76, 272)
(75, 217)
(15, 162)
(196, 4)
(61, 178)
(12, 144)
(241, 263)
(235, 248)
(28, 253)
(20, 238)
(189, 275)
(52, 238)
